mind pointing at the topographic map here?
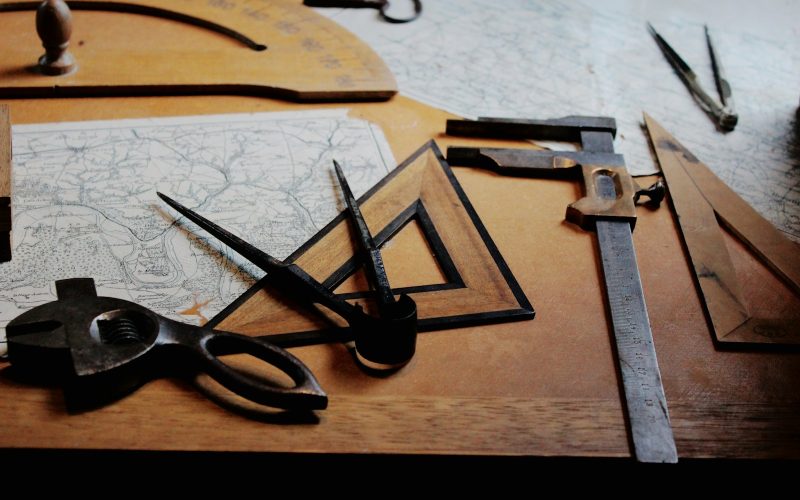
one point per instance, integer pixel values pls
(85, 202)
(545, 59)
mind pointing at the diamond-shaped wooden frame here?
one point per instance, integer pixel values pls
(479, 287)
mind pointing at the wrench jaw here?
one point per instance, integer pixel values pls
(88, 392)
(109, 358)
(37, 349)
(40, 354)
(92, 346)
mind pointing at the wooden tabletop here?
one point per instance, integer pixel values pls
(542, 387)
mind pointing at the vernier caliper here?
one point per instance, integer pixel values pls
(609, 208)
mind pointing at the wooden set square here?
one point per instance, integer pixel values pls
(478, 287)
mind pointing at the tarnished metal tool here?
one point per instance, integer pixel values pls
(380, 342)
(722, 112)
(608, 208)
(102, 348)
(398, 317)
(703, 203)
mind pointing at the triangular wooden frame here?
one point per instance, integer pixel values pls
(479, 288)
(704, 205)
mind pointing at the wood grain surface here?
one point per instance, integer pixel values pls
(308, 57)
(542, 387)
(5, 184)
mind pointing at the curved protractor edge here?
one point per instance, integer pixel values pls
(309, 57)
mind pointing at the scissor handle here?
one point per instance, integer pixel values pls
(384, 10)
(381, 5)
(207, 345)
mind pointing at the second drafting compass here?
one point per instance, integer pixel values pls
(398, 318)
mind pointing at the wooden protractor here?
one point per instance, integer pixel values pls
(163, 47)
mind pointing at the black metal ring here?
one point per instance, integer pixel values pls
(395, 20)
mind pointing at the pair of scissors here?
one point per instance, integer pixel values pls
(386, 342)
(381, 5)
(722, 112)
(102, 348)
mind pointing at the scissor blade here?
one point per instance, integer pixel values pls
(376, 272)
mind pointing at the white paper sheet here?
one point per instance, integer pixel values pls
(85, 202)
(545, 59)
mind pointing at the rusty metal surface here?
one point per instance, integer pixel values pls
(102, 348)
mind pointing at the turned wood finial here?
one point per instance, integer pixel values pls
(54, 25)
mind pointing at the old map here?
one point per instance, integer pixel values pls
(85, 203)
(553, 58)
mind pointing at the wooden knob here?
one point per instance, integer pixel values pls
(54, 26)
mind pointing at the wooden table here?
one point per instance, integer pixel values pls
(542, 387)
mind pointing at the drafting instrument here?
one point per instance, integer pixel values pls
(276, 49)
(608, 208)
(376, 342)
(5, 184)
(382, 6)
(723, 112)
(102, 348)
(398, 318)
(423, 196)
(700, 200)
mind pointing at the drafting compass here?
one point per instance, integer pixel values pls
(722, 111)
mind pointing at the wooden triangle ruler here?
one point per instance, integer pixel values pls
(478, 287)
(704, 204)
